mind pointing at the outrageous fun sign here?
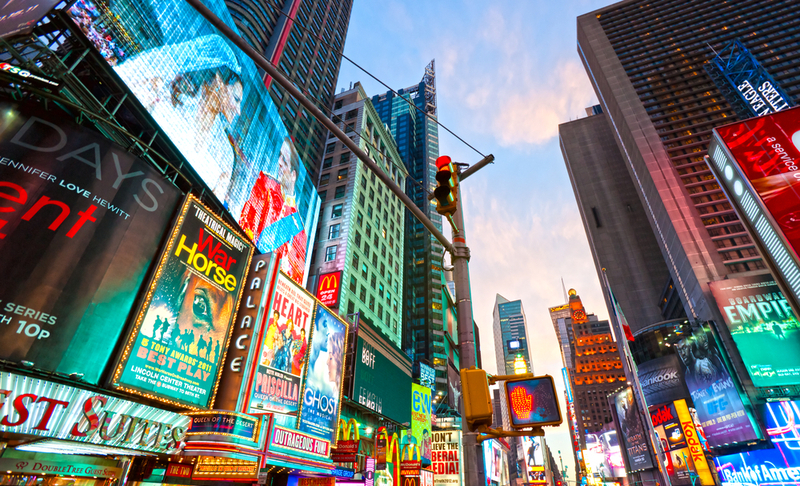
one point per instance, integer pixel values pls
(175, 351)
(322, 393)
(80, 224)
(283, 351)
(292, 441)
(33, 406)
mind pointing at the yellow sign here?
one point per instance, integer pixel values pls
(693, 443)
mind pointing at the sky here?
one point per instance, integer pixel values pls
(507, 73)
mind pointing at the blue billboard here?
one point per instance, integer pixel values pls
(780, 465)
(210, 101)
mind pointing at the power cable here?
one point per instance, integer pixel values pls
(341, 53)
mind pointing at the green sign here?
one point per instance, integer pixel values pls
(379, 384)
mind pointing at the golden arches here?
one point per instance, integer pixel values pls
(343, 429)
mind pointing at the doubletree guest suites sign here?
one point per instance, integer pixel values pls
(33, 406)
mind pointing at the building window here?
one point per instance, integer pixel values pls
(358, 239)
(333, 231)
(330, 253)
(327, 163)
(351, 307)
(351, 127)
(362, 294)
(330, 147)
(342, 174)
(355, 261)
(364, 271)
(351, 114)
(359, 219)
(372, 303)
(363, 181)
(369, 231)
(323, 181)
(339, 192)
(322, 196)
(361, 199)
(380, 312)
(338, 103)
(344, 158)
(336, 211)
(352, 283)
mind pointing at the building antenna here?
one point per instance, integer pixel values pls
(564, 287)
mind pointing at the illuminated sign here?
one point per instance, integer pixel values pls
(175, 352)
(283, 352)
(18, 18)
(234, 139)
(532, 402)
(27, 75)
(223, 423)
(328, 289)
(426, 478)
(567, 384)
(81, 224)
(420, 432)
(346, 451)
(520, 368)
(294, 441)
(693, 443)
(34, 467)
(514, 344)
(757, 163)
(322, 389)
(32, 406)
(446, 458)
(745, 83)
(224, 468)
(427, 376)
(329, 481)
(178, 470)
(378, 382)
(763, 326)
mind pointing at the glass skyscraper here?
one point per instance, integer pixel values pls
(411, 118)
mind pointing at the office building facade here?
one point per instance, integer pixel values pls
(362, 224)
(304, 39)
(410, 116)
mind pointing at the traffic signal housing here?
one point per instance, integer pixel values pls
(477, 401)
(446, 192)
(532, 402)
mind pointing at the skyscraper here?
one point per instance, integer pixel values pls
(411, 118)
(304, 39)
(361, 223)
(647, 62)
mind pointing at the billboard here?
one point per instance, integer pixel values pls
(322, 391)
(768, 466)
(421, 421)
(495, 463)
(177, 345)
(217, 112)
(18, 18)
(283, 350)
(534, 459)
(80, 225)
(603, 453)
(662, 380)
(755, 163)
(532, 402)
(446, 457)
(680, 449)
(454, 389)
(634, 438)
(763, 326)
(328, 288)
(379, 384)
(713, 391)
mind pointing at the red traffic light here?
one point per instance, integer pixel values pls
(443, 161)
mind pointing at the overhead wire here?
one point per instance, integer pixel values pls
(341, 53)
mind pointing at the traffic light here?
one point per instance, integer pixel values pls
(532, 402)
(446, 192)
(477, 401)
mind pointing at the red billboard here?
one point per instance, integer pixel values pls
(328, 288)
(767, 150)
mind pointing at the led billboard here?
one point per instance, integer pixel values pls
(81, 221)
(421, 421)
(177, 345)
(495, 461)
(283, 352)
(533, 457)
(633, 435)
(763, 326)
(322, 390)
(532, 402)
(768, 466)
(214, 108)
(755, 162)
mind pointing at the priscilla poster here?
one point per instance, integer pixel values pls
(284, 350)
(323, 387)
(178, 343)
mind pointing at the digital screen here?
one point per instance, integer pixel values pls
(782, 420)
(495, 461)
(379, 384)
(81, 221)
(513, 344)
(763, 326)
(533, 402)
(603, 454)
(322, 392)
(210, 100)
(181, 332)
(427, 376)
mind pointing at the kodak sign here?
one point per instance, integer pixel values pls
(328, 288)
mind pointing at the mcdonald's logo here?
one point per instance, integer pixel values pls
(328, 288)
(408, 452)
(410, 481)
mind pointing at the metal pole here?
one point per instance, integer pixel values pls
(466, 338)
(271, 70)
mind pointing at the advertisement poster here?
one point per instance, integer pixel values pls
(178, 342)
(420, 431)
(329, 288)
(80, 225)
(534, 460)
(634, 438)
(714, 394)
(216, 110)
(379, 383)
(380, 453)
(323, 385)
(766, 149)
(495, 463)
(446, 457)
(768, 466)
(671, 436)
(763, 326)
(603, 453)
(454, 389)
(694, 444)
(662, 380)
(283, 353)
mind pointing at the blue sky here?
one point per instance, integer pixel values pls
(507, 73)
